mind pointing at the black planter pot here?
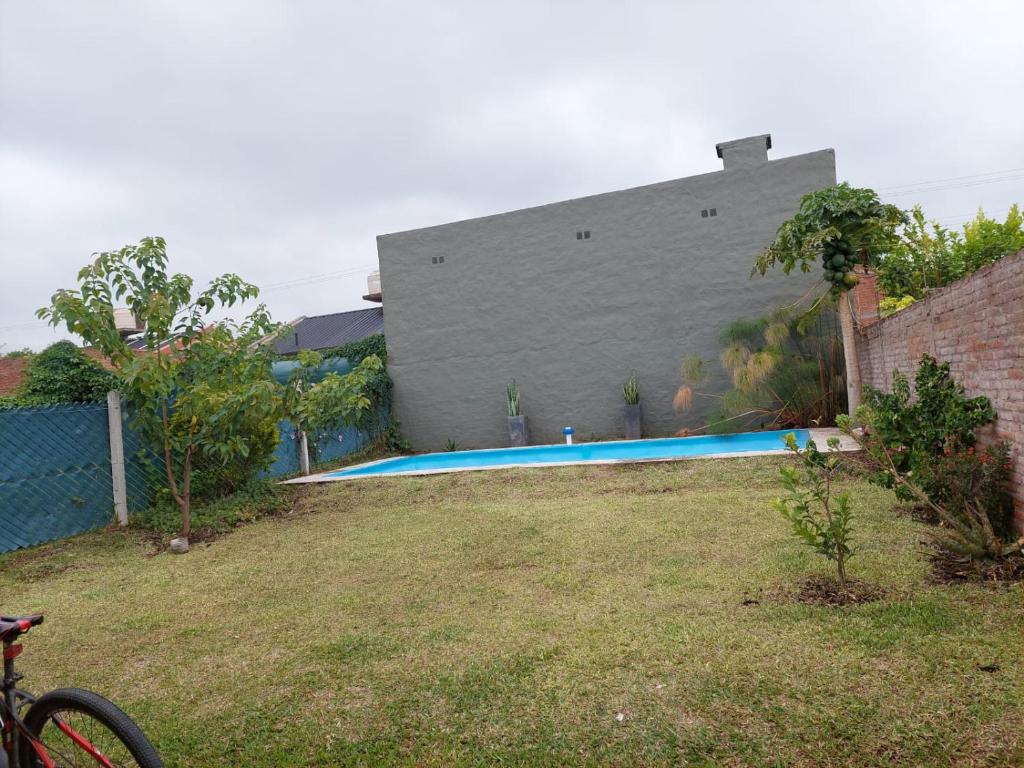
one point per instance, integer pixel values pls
(631, 417)
(518, 434)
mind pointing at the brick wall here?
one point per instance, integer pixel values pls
(977, 326)
(12, 372)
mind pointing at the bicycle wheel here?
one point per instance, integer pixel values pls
(89, 721)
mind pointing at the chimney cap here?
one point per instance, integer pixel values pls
(765, 137)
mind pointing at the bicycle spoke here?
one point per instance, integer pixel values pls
(66, 753)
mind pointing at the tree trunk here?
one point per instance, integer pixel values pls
(186, 495)
(853, 385)
(186, 517)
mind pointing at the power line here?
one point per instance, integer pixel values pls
(298, 281)
(961, 185)
(951, 178)
(955, 219)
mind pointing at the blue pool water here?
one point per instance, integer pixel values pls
(621, 450)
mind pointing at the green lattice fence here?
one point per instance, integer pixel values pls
(55, 473)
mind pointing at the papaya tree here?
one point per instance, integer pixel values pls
(200, 389)
(835, 229)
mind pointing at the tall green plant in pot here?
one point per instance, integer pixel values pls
(631, 410)
(518, 434)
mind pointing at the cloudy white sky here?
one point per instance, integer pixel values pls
(276, 139)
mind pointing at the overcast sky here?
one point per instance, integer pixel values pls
(276, 139)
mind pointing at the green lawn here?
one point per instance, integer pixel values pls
(511, 618)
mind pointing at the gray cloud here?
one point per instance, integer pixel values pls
(275, 139)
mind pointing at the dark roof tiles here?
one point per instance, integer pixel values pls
(325, 331)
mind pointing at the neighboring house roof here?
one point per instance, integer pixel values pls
(138, 343)
(325, 331)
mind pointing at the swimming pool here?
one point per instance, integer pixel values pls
(747, 443)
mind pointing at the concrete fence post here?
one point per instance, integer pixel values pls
(303, 453)
(117, 457)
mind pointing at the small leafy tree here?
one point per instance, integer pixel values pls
(63, 373)
(986, 240)
(820, 517)
(924, 258)
(840, 226)
(201, 389)
(316, 406)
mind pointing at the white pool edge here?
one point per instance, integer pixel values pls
(820, 437)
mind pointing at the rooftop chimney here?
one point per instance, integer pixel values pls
(126, 323)
(373, 287)
(745, 153)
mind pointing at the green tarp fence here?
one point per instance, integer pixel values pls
(55, 469)
(55, 472)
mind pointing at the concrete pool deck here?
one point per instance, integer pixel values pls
(819, 436)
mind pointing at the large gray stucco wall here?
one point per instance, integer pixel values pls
(519, 296)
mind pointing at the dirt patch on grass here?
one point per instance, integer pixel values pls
(65, 556)
(919, 513)
(824, 590)
(950, 569)
(638, 490)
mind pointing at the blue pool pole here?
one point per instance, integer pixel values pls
(568, 432)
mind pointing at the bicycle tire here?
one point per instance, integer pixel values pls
(98, 709)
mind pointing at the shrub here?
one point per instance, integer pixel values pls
(786, 369)
(819, 516)
(890, 306)
(252, 500)
(968, 526)
(940, 418)
(959, 478)
(390, 439)
(63, 373)
(929, 256)
(925, 450)
(378, 385)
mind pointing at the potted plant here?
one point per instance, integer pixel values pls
(517, 432)
(631, 410)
